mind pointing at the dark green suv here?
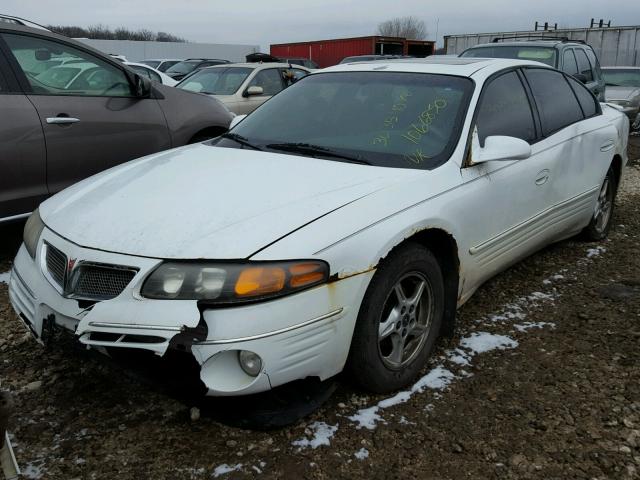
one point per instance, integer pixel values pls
(571, 56)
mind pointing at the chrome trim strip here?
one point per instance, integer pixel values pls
(522, 225)
(14, 217)
(134, 327)
(275, 332)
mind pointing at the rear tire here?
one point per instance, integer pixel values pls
(399, 320)
(600, 223)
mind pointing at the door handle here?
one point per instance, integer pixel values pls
(542, 177)
(608, 145)
(62, 120)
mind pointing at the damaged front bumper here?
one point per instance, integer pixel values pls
(307, 334)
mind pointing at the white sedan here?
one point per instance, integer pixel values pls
(338, 226)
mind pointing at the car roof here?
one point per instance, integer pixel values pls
(621, 67)
(438, 64)
(162, 60)
(256, 65)
(529, 43)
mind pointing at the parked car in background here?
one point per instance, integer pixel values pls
(623, 89)
(151, 73)
(161, 64)
(573, 57)
(305, 62)
(181, 69)
(243, 87)
(337, 226)
(86, 113)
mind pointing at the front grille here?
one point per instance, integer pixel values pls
(56, 264)
(100, 282)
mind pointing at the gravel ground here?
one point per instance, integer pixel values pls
(540, 381)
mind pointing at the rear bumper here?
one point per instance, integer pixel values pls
(303, 335)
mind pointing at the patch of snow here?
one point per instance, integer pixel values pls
(523, 327)
(481, 342)
(594, 252)
(361, 454)
(33, 471)
(403, 421)
(224, 469)
(437, 379)
(322, 434)
(4, 277)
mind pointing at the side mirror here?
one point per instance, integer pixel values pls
(253, 90)
(499, 147)
(236, 120)
(580, 77)
(141, 86)
(42, 54)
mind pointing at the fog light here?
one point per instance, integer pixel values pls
(250, 362)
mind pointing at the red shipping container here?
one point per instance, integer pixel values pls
(329, 52)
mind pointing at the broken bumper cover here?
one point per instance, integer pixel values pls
(307, 334)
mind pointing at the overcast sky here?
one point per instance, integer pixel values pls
(264, 22)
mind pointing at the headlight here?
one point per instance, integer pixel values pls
(32, 230)
(223, 283)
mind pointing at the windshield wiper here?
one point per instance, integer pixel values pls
(241, 140)
(612, 84)
(313, 150)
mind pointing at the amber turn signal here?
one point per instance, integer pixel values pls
(257, 281)
(304, 274)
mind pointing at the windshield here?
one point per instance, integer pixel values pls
(216, 81)
(184, 67)
(390, 119)
(539, 54)
(622, 77)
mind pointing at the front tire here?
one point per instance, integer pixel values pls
(600, 223)
(399, 320)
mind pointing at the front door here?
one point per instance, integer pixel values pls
(91, 119)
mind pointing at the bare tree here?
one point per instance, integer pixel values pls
(103, 32)
(411, 28)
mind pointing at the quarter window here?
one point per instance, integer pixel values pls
(505, 110)
(269, 80)
(586, 99)
(583, 64)
(556, 102)
(569, 64)
(53, 68)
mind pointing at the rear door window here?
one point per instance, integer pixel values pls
(587, 101)
(557, 105)
(569, 64)
(505, 110)
(584, 67)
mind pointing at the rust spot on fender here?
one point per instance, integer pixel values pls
(351, 273)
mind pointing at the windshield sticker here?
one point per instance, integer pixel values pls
(425, 119)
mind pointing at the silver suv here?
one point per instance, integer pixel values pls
(571, 56)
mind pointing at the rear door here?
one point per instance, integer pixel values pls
(90, 117)
(23, 182)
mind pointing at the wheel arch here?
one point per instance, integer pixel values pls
(444, 247)
(616, 164)
(206, 133)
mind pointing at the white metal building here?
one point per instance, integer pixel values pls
(135, 50)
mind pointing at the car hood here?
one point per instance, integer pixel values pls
(209, 202)
(621, 93)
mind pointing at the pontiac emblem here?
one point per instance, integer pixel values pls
(71, 263)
